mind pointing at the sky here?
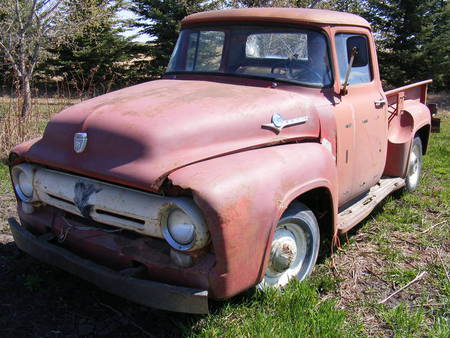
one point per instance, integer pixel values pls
(126, 14)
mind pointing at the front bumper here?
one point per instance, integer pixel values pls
(149, 293)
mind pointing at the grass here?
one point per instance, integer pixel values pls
(407, 234)
(15, 129)
(297, 311)
(5, 185)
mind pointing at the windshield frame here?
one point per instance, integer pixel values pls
(224, 25)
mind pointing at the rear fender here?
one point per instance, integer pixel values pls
(414, 118)
(242, 197)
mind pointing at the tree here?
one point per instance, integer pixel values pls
(338, 5)
(412, 39)
(274, 3)
(98, 57)
(161, 20)
(29, 27)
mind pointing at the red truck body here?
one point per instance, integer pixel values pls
(213, 142)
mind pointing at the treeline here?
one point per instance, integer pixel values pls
(87, 54)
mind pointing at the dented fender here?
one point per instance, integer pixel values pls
(243, 195)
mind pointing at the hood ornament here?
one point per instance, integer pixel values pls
(279, 123)
(79, 142)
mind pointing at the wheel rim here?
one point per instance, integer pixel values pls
(287, 255)
(414, 166)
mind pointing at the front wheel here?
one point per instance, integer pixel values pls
(294, 247)
(414, 165)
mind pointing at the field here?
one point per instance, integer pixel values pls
(405, 239)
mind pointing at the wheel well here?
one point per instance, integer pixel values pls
(424, 134)
(320, 202)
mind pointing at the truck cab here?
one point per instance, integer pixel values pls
(269, 131)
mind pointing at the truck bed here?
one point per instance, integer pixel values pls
(415, 92)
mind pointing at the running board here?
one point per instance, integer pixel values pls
(356, 212)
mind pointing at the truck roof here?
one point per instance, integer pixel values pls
(283, 15)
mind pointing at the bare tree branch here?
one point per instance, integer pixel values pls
(11, 58)
(30, 27)
(19, 16)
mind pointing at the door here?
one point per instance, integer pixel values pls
(362, 116)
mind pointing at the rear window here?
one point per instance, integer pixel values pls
(277, 46)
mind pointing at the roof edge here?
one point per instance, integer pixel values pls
(277, 14)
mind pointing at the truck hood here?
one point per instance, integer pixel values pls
(139, 135)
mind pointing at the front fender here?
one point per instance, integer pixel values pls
(242, 197)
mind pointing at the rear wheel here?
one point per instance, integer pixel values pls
(294, 248)
(414, 165)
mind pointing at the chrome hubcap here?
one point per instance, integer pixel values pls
(283, 252)
(287, 255)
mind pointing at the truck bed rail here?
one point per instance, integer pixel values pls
(396, 97)
(414, 92)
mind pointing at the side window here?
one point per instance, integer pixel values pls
(204, 52)
(361, 72)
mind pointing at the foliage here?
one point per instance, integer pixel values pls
(98, 58)
(413, 40)
(338, 5)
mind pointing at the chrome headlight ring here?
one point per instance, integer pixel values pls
(22, 177)
(183, 227)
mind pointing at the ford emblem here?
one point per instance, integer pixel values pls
(80, 142)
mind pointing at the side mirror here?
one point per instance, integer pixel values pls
(357, 54)
(362, 57)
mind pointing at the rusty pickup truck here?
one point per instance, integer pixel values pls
(269, 132)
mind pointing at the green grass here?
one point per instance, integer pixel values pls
(5, 184)
(297, 311)
(407, 323)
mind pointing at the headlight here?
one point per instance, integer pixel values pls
(22, 176)
(183, 226)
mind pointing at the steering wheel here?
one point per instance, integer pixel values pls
(304, 69)
(279, 65)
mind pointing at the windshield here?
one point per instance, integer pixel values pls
(288, 54)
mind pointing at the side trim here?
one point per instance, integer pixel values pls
(149, 293)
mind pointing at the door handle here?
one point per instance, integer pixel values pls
(379, 103)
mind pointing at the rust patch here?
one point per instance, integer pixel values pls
(287, 252)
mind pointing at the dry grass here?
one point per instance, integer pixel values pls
(15, 129)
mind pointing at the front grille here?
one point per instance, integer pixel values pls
(103, 202)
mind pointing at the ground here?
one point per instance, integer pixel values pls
(405, 238)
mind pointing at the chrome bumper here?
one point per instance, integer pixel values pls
(149, 293)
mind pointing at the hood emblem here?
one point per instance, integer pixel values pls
(80, 142)
(279, 123)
